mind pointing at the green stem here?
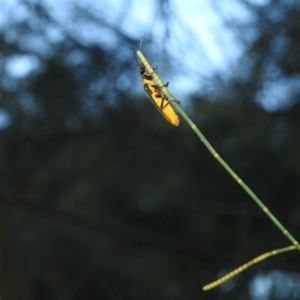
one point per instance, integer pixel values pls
(246, 266)
(213, 152)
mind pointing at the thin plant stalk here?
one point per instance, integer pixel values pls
(246, 266)
(213, 151)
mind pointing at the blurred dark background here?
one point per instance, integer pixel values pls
(101, 198)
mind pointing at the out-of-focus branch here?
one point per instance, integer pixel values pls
(122, 233)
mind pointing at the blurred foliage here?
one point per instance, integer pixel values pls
(103, 199)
